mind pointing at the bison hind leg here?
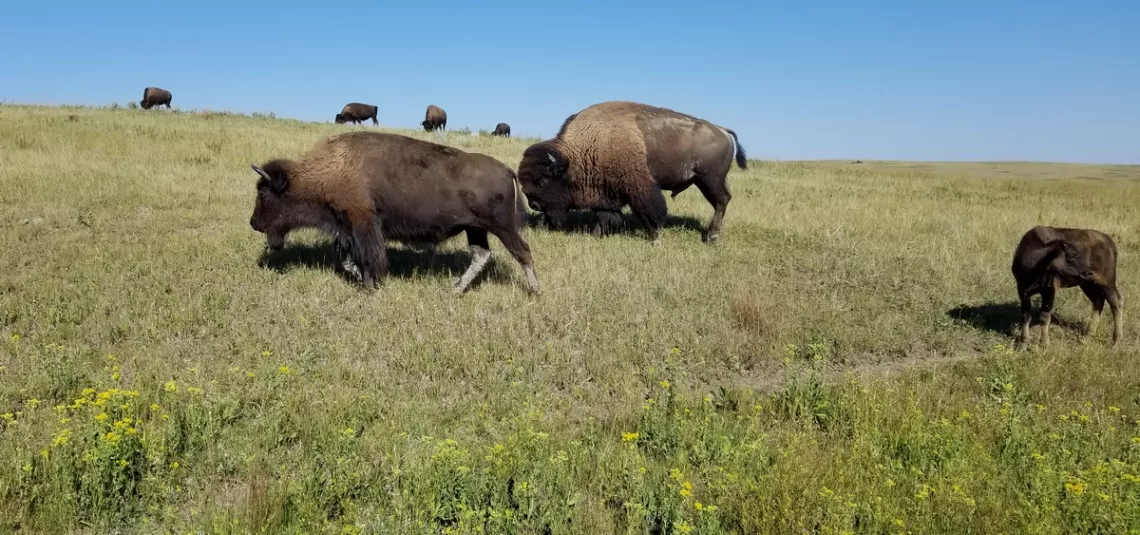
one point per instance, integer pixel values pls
(480, 254)
(716, 193)
(514, 242)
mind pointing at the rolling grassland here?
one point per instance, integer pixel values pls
(840, 362)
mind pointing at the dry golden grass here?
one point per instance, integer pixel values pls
(321, 408)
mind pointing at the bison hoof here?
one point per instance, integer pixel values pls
(709, 238)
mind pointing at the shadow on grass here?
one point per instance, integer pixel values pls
(403, 261)
(1005, 318)
(582, 222)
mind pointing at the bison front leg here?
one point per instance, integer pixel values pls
(480, 254)
(605, 222)
(1026, 315)
(368, 252)
(649, 206)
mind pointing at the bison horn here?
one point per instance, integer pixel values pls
(261, 172)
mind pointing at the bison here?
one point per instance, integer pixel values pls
(1050, 258)
(364, 188)
(155, 96)
(434, 118)
(502, 129)
(355, 112)
(620, 153)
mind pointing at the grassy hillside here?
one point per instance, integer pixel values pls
(837, 363)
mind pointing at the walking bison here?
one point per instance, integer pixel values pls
(365, 188)
(1048, 259)
(502, 129)
(155, 96)
(434, 118)
(355, 112)
(620, 153)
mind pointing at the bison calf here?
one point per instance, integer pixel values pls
(355, 112)
(502, 129)
(1048, 259)
(155, 96)
(364, 188)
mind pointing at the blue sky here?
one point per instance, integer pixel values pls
(938, 80)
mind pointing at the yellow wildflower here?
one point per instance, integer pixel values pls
(170, 386)
(698, 506)
(62, 438)
(112, 437)
(629, 437)
(665, 383)
(686, 489)
(283, 370)
(154, 406)
(1113, 410)
(348, 432)
(101, 417)
(1076, 487)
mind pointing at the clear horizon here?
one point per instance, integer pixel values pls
(972, 81)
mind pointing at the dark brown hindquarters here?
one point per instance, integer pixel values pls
(1048, 259)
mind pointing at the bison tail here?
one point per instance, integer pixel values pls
(738, 150)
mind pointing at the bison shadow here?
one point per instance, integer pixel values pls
(582, 222)
(1005, 318)
(403, 261)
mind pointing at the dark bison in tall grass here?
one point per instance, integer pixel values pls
(617, 153)
(1048, 259)
(434, 118)
(155, 96)
(502, 129)
(355, 112)
(365, 188)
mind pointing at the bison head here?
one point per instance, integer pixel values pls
(426, 124)
(339, 118)
(542, 175)
(1069, 262)
(274, 212)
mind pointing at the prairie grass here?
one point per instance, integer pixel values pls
(839, 363)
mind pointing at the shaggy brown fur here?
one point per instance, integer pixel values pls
(502, 129)
(155, 96)
(434, 118)
(1048, 259)
(620, 153)
(356, 113)
(368, 187)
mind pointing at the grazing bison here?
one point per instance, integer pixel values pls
(624, 153)
(364, 188)
(155, 96)
(1048, 259)
(355, 112)
(502, 129)
(434, 118)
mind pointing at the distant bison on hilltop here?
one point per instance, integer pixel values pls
(155, 96)
(502, 129)
(1048, 259)
(621, 153)
(367, 187)
(355, 112)
(434, 118)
